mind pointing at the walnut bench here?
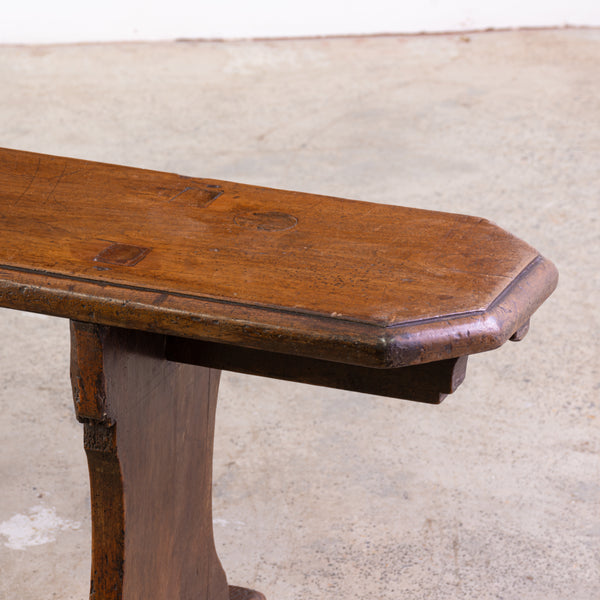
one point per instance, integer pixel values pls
(168, 280)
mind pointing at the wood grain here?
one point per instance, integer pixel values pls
(149, 450)
(340, 280)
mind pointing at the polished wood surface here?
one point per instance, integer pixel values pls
(339, 280)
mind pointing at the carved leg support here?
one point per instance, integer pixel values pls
(149, 426)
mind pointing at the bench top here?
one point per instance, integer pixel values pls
(354, 282)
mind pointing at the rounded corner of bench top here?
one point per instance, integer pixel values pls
(451, 336)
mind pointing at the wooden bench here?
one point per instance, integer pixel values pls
(168, 280)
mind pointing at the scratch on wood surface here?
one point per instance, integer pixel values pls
(183, 191)
(53, 227)
(37, 168)
(60, 177)
(84, 169)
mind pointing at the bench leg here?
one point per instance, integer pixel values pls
(148, 436)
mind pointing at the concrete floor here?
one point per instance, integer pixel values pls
(324, 494)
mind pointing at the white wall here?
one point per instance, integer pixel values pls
(51, 21)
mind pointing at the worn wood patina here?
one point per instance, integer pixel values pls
(168, 280)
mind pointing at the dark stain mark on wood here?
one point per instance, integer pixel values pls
(197, 196)
(125, 255)
(266, 221)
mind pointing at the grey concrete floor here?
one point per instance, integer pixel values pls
(324, 494)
